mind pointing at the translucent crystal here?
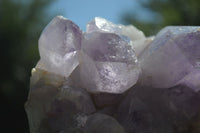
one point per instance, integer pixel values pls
(109, 56)
(58, 46)
(172, 55)
(108, 63)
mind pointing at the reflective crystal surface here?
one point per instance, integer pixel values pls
(138, 38)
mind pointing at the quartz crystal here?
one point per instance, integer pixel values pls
(113, 79)
(59, 45)
(173, 55)
(107, 59)
(108, 63)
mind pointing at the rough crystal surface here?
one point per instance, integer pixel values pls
(147, 109)
(142, 111)
(106, 99)
(53, 109)
(101, 123)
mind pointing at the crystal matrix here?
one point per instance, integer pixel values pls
(112, 79)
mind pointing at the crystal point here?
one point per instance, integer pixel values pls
(58, 46)
(136, 36)
(172, 55)
(110, 62)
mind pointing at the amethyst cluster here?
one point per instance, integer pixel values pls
(113, 79)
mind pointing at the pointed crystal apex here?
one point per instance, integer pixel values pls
(58, 46)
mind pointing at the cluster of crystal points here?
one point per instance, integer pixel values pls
(113, 79)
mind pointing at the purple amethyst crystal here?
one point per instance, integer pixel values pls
(139, 41)
(108, 63)
(112, 79)
(59, 45)
(107, 59)
(146, 109)
(172, 55)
